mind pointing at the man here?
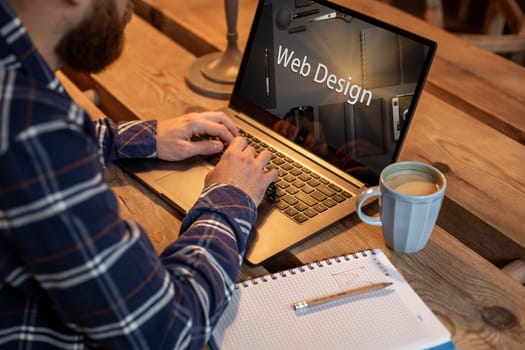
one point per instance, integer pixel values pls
(73, 274)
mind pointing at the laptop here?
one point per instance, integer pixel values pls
(331, 93)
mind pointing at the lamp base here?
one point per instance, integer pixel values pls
(203, 85)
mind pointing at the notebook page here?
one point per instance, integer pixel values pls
(261, 315)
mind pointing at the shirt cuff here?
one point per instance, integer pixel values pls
(137, 139)
(227, 203)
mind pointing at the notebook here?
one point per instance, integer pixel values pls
(316, 87)
(261, 313)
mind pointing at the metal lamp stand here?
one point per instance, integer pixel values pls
(214, 74)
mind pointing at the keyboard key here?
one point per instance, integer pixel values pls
(298, 183)
(310, 212)
(338, 198)
(296, 172)
(290, 200)
(330, 203)
(318, 196)
(270, 193)
(305, 177)
(279, 192)
(347, 195)
(326, 190)
(306, 199)
(300, 218)
(278, 161)
(307, 189)
(281, 205)
(292, 190)
(314, 183)
(291, 212)
(320, 208)
(287, 166)
(289, 178)
(282, 184)
(301, 206)
(335, 187)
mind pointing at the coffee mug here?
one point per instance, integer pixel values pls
(410, 196)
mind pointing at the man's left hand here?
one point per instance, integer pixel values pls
(174, 135)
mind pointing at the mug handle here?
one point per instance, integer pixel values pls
(361, 198)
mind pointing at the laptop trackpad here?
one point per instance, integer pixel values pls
(185, 184)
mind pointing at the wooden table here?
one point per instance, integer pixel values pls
(465, 100)
(459, 285)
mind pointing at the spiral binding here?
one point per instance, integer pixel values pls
(307, 267)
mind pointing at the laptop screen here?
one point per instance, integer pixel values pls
(339, 84)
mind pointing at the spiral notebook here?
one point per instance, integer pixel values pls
(261, 313)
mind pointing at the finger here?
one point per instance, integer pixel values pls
(222, 118)
(264, 157)
(251, 151)
(206, 147)
(271, 176)
(238, 144)
(210, 128)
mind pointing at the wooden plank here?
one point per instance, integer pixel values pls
(190, 23)
(147, 81)
(489, 87)
(160, 221)
(80, 97)
(484, 169)
(478, 235)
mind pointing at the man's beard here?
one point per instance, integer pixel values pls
(97, 41)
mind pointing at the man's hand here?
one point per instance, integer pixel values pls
(241, 167)
(174, 135)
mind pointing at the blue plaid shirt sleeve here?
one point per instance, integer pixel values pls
(73, 273)
(132, 139)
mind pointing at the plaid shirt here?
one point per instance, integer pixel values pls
(73, 274)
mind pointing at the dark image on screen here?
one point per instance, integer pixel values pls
(338, 85)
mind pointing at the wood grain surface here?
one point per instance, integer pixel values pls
(481, 306)
(483, 166)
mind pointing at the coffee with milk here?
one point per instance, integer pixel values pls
(413, 184)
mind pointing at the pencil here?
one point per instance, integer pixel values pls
(347, 293)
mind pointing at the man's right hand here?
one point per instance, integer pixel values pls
(241, 167)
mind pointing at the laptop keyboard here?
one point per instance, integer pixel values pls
(298, 192)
